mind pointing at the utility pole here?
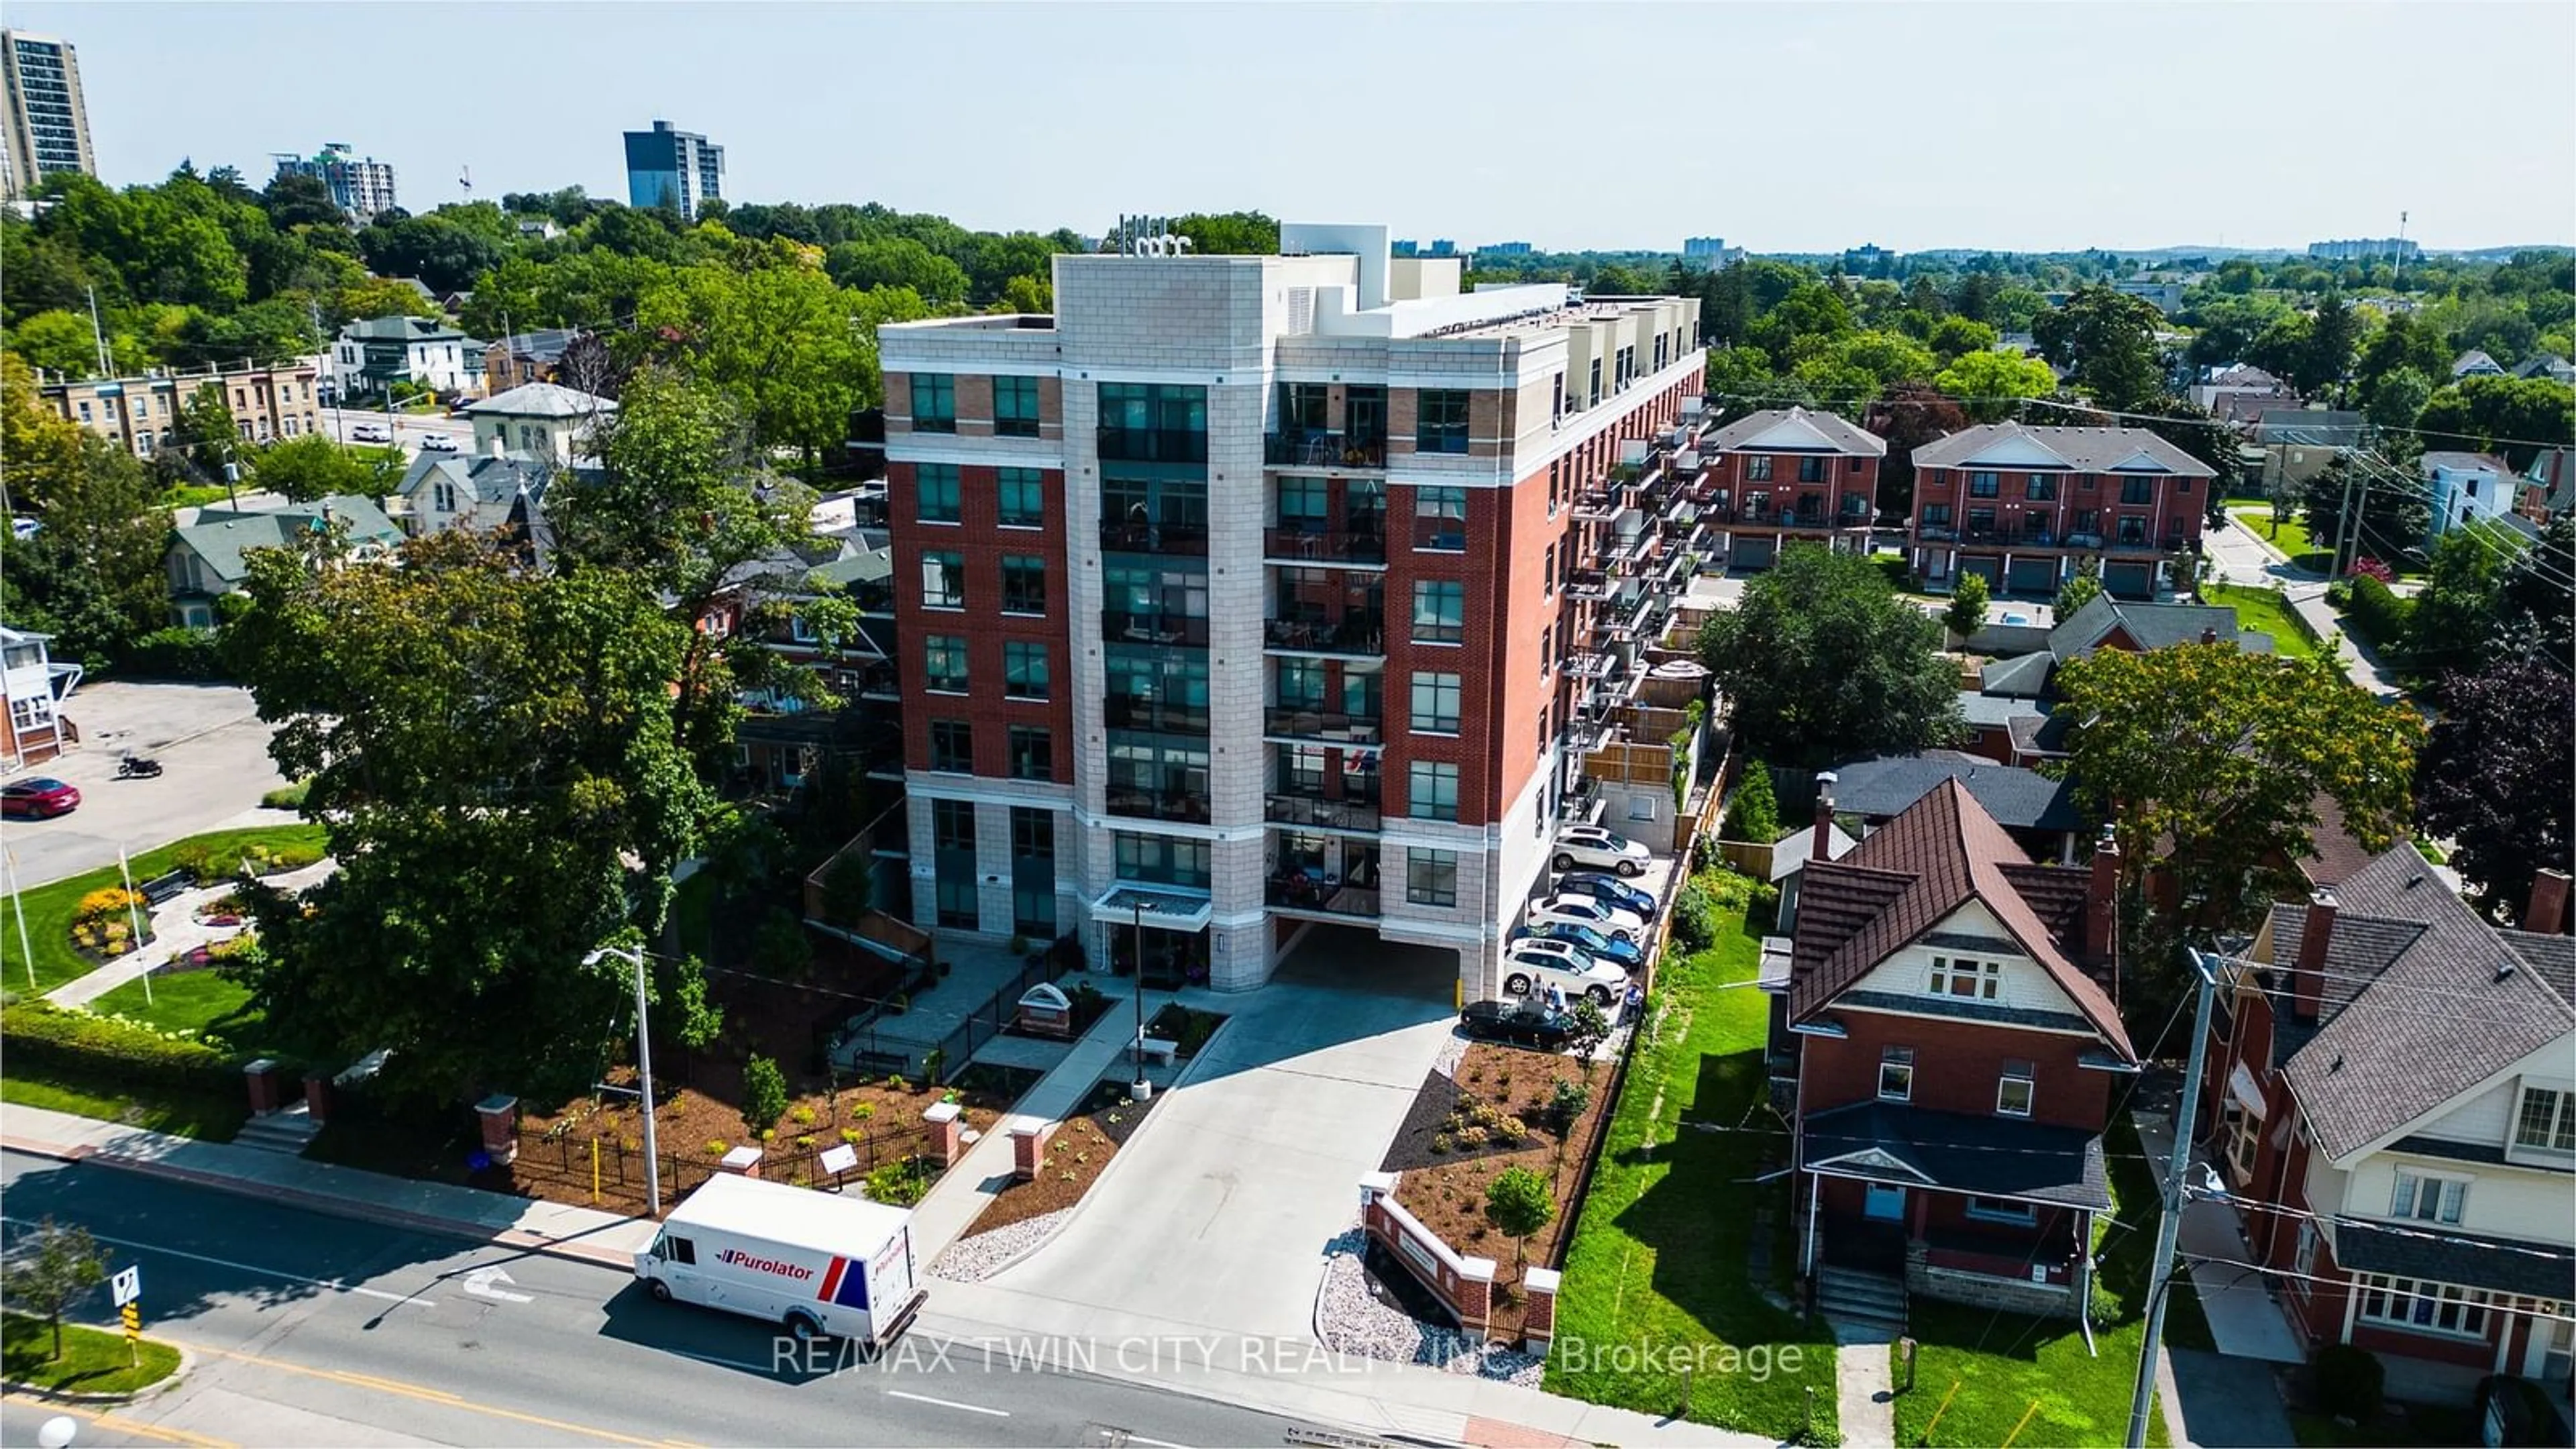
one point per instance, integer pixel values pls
(2399, 283)
(644, 1067)
(2169, 1224)
(98, 337)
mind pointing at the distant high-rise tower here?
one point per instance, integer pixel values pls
(361, 187)
(677, 169)
(48, 126)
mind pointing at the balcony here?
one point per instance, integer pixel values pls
(1325, 545)
(1127, 712)
(1157, 805)
(1152, 445)
(1595, 505)
(1362, 634)
(1439, 535)
(1321, 448)
(1300, 891)
(1588, 586)
(1315, 812)
(1121, 536)
(878, 679)
(1935, 532)
(1119, 627)
(1323, 725)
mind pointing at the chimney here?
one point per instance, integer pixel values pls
(2102, 900)
(498, 447)
(2547, 912)
(1823, 848)
(2307, 977)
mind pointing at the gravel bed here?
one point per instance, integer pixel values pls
(1350, 1320)
(972, 1260)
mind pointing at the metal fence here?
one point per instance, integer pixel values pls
(614, 1173)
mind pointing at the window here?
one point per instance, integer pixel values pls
(1032, 834)
(1015, 407)
(2137, 490)
(1984, 485)
(1980, 979)
(1301, 684)
(1162, 860)
(2041, 488)
(2013, 1091)
(1024, 669)
(1811, 470)
(2424, 1306)
(943, 580)
(935, 489)
(944, 657)
(2001, 1210)
(952, 825)
(443, 496)
(1440, 519)
(2087, 521)
(1757, 469)
(1022, 497)
(1896, 1074)
(1032, 752)
(1303, 504)
(2428, 1199)
(2546, 1120)
(1936, 515)
(934, 402)
(1024, 589)
(952, 746)
(1435, 703)
(1439, 611)
(1431, 877)
(1441, 424)
(2183, 485)
(1431, 790)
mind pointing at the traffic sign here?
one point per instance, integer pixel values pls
(127, 1285)
(134, 1320)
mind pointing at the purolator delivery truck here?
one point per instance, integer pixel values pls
(817, 1264)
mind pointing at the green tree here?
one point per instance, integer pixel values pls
(2226, 326)
(91, 573)
(1966, 613)
(1519, 1205)
(2401, 343)
(2495, 777)
(204, 436)
(2109, 339)
(1031, 296)
(1823, 662)
(1754, 813)
(439, 250)
(314, 467)
(897, 261)
(2532, 608)
(492, 756)
(1814, 310)
(1989, 383)
(2396, 399)
(298, 200)
(53, 1266)
(1952, 338)
(2512, 417)
(764, 1095)
(2209, 763)
(2453, 623)
(1232, 233)
(58, 342)
(2388, 516)
(2334, 331)
(2081, 587)
(1908, 416)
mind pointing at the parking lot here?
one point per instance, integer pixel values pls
(215, 766)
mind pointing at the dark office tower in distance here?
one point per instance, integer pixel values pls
(674, 169)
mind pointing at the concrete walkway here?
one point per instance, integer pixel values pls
(2242, 555)
(175, 931)
(2244, 1320)
(1865, 1387)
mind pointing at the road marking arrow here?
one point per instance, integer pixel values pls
(480, 1283)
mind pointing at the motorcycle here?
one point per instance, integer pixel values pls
(138, 767)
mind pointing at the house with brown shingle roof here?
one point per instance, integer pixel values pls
(1956, 1049)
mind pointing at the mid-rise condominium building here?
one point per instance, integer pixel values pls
(46, 120)
(1252, 595)
(674, 169)
(2025, 506)
(362, 186)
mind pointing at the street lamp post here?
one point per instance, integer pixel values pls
(1144, 1085)
(644, 1064)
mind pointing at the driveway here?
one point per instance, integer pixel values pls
(214, 755)
(2227, 1403)
(1215, 1220)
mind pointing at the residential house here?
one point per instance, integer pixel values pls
(33, 687)
(484, 491)
(781, 741)
(2022, 506)
(2035, 810)
(208, 558)
(2241, 379)
(2296, 444)
(267, 401)
(371, 355)
(2391, 1093)
(541, 419)
(2548, 485)
(1787, 475)
(2467, 488)
(2474, 363)
(2548, 365)
(1956, 1053)
(526, 357)
(2011, 712)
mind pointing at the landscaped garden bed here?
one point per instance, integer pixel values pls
(1188, 1028)
(1076, 1155)
(52, 910)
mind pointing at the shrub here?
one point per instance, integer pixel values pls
(108, 902)
(901, 1184)
(1440, 1142)
(2366, 567)
(175, 653)
(288, 797)
(1754, 813)
(1694, 918)
(804, 1115)
(1566, 1101)
(2377, 616)
(108, 1049)
(718, 1147)
(2350, 1382)
(863, 1111)
(764, 1094)
(1470, 1136)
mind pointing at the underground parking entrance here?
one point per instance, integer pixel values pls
(1355, 958)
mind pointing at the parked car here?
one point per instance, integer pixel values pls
(370, 433)
(1611, 889)
(1535, 964)
(40, 799)
(1528, 1022)
(1601, 849)
(1600, 915)
(438, 443)
(1626, 955)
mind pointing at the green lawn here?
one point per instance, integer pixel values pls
(94, 1360)
(2258, 608)
(49, 908)
(2290, 536)
(199, 1002)
(2004, 1363)
(1657, 1270)
(211, 1119)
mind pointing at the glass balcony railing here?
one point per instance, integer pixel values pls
(1319, 813)
(1153, 445)
(1356, 633)
(1323, 448)
(1325, 545)
(1164, 716)
(1120, 627)
(1290, 722)
(1157, 804)
(1129, 536)
(1301, 891)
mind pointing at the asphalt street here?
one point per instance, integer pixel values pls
(312, 1330)
(213, 751)
(405, 430)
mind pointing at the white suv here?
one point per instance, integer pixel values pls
(1600, 915)
(1535, 964)
(1594, 848)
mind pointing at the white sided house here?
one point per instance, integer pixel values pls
(543, 420)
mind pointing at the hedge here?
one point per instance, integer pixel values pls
(2377, 616)
(102, 1048)
(174, 653)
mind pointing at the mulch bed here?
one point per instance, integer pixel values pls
(1076, 1156)
(1445, 1191)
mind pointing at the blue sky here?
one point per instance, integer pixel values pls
(1779, 127)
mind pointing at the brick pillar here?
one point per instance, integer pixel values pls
(1376, 1187)
(317, 1098)
(1028, 1148)
(744, 1160)
(267, 1094)
(1475, 1303)
(500, 1114)
(947, 1132)
(1538, 1313)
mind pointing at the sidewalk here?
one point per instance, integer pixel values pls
(175, 931)
(2244, 1321)
(2305, 593)
(1865, 1386)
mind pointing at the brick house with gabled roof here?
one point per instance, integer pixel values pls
(1956, 1053)
(1788, 475)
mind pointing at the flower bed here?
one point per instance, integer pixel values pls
(1076, 1155)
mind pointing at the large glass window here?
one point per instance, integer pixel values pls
(1032, 871)
(2041, 488)
(2137, 490)
(1153, 422)
(1440, 519)
(1440, 424)
(1304, 504)
(1141, 515)
(1431, 790)
(1032, 750)
(1024, 669)
(1439, 611)
(944, 656)
(1162, 776)
(1301, 684)
(1431, 877)
(952, 842)
(1985, 485)
(1435, 703)
(1166, 603)
(2423, 1305)
(952, 746)
(1812, 470)
(1156, 689)
(1015, 407)
(1022, 493)
(934, 402)
(943, 580)
(2428, 1199)
(1757, 468)
(1024, 584)
(1161, 860)
(936, 492)
(2546, 1120)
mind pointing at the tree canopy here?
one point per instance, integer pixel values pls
(91, 572)
(2496, 777)
(1822, 662)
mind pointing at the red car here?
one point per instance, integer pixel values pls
(37, 799)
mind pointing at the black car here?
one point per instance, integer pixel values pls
(1529, 1022)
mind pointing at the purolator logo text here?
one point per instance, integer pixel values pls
(741, 1259)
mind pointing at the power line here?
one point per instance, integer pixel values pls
(2356, 1283)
